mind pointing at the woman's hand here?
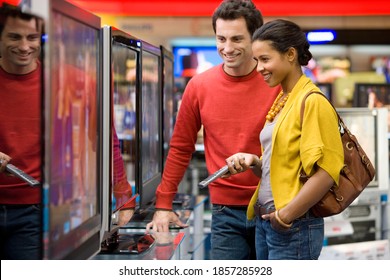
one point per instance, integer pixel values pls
(275, 223)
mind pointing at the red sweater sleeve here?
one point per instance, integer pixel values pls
(122, 189)
(182, 146)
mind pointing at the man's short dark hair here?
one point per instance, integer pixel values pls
(235, 9)
(7, 10)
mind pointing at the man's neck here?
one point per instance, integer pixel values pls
(242, 71)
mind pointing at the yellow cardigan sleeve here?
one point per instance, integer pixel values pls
(320, 138)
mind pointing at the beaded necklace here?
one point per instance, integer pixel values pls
(276, 106)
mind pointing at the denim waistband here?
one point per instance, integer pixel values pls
(236, 207)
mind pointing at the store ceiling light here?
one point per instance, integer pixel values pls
(321, 36)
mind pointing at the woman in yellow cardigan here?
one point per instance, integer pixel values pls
(285, 227)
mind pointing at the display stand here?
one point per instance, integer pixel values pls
(165, 247)
(193, 244)
(178, 243)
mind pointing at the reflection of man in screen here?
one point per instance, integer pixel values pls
(122, 192)
(121, 188)
(74, 139)
(20, 115)
(73, 193)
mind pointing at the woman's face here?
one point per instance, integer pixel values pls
(271, 64)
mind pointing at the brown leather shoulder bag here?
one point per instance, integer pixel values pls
(355, 175)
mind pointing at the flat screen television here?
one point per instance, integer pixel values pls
(121, 90)
(371, 95)
(150, 125)
(190, 60)
(72, 105)
(169, 109)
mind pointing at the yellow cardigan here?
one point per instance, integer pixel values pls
(293, 148)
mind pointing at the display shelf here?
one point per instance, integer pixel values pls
(178, 243)
(197, 246)
(337, 228)
(167, 246)
(371, 250)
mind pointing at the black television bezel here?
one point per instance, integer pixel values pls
(111, 34)
(147, 189)
(166, 55)
(82, 242)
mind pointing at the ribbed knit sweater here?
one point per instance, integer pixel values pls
(20, 134)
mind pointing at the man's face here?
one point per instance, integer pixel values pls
(19, 45)
(234, 46)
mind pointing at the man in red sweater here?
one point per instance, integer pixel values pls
(20, 140)
(231, 101)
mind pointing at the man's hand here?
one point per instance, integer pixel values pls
(4, 159)
(162, 219)
(124, 216)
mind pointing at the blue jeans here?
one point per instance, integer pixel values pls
(20, 232)
(232, 235)
(303, 241)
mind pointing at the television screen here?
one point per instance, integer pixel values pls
(191, 60)
(121, 87)
(169, 109)
(372, 95)
(150, 124)
(72, 191)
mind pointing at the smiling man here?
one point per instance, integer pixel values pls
(231, 101)
(20, 44)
